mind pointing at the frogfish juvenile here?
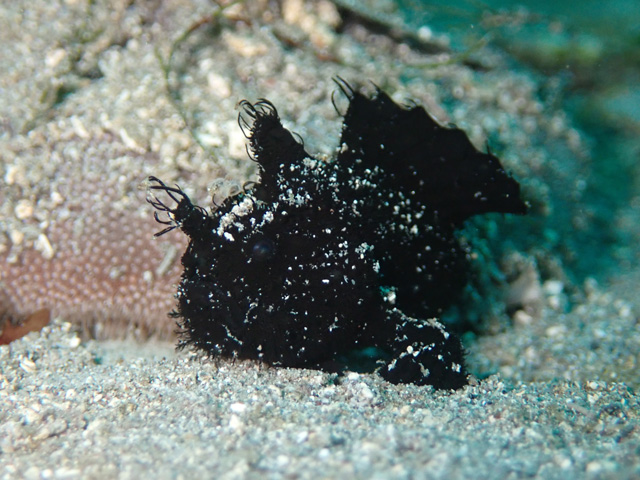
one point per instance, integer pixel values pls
(321, 259)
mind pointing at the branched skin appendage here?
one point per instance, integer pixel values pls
(319, 260)
(185, 215)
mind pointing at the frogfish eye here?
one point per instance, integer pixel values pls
(263, 249)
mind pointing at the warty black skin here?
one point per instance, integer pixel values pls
(322, 259)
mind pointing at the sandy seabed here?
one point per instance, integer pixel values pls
(116, 410)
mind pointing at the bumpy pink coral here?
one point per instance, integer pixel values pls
(79, 244)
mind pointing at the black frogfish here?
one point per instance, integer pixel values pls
(321, 259)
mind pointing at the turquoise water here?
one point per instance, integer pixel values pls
(591, 49)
